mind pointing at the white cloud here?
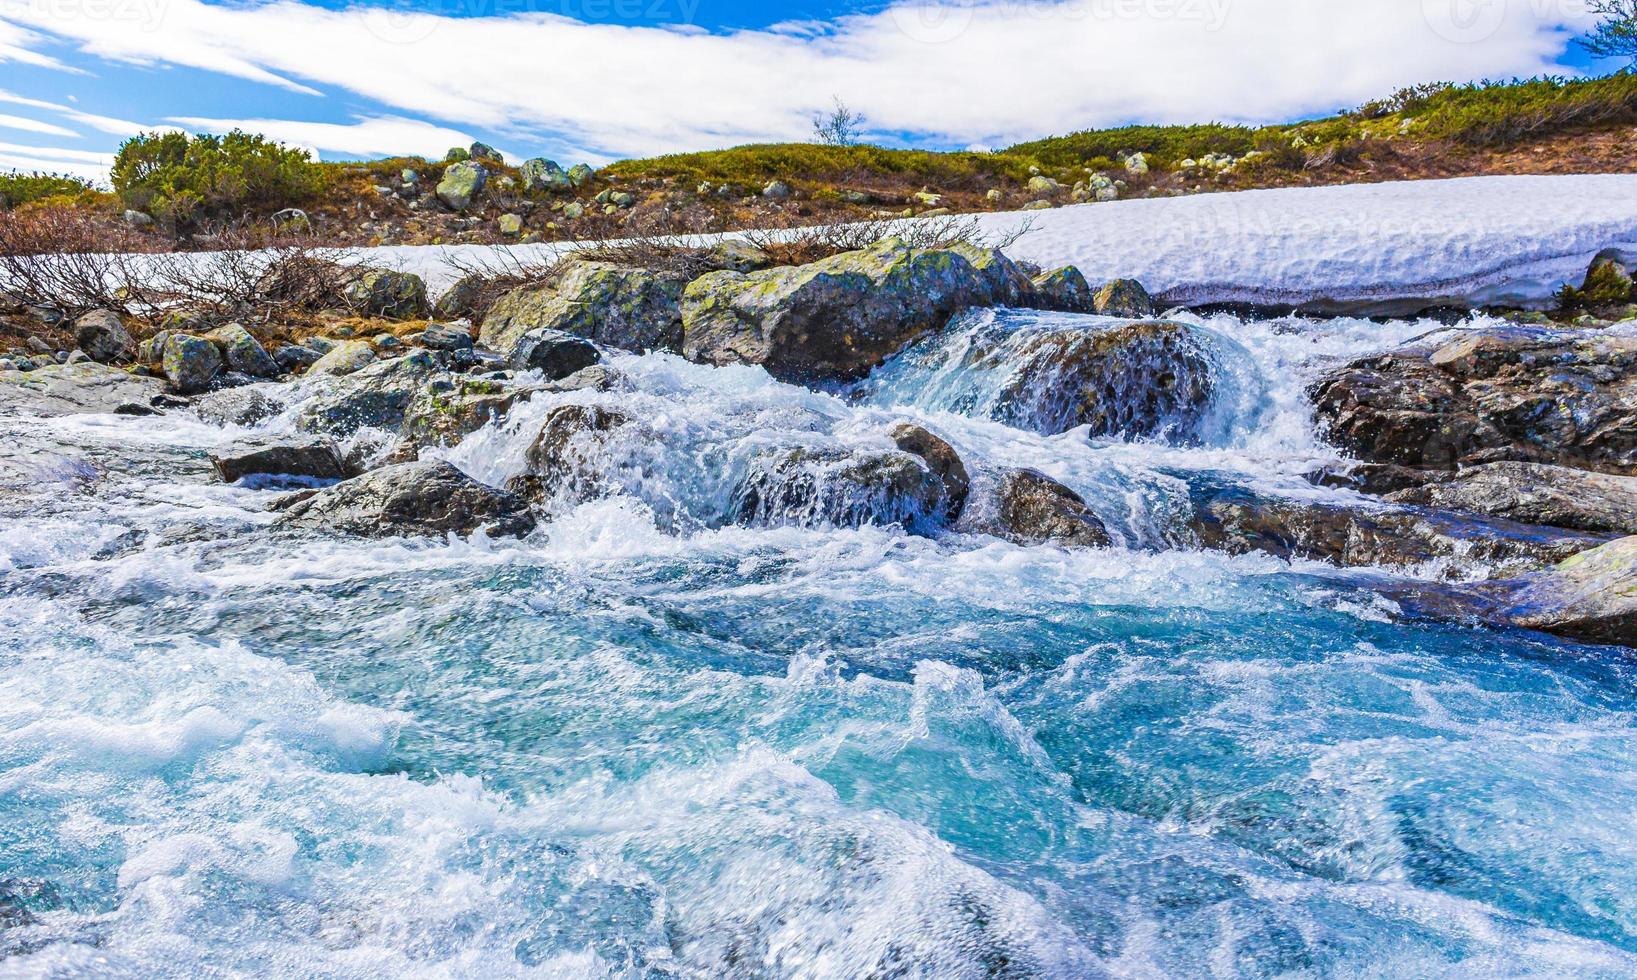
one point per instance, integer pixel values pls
(8, 121)
(49, 159)
(986, 71)
(104, 124)
(380, 136)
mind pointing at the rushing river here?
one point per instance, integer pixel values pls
(649, 741)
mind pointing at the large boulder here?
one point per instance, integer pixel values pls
(1124, 298)
(1590, 597)
(944, 462)
(73, 389)
(461, 183)
(1145, 379)
(448, 410)
(553, 353)
(190, 363)
(316, 459)
(242, 352)
(1518, 394)
(421, 498)
(1063, 289)
(388, 293)
(1535, 493)
(826, 487)
(631, 309)
(540, 174)
(841, 316)
(463, 300)
(1237, 520)
(563, 463)
(1032, 508)
(376, 397)
(103, 337)
(249, 405)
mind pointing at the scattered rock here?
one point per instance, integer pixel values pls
(347, 357)
(190, 363)
(461, 182)
(1035, 509)
(461, 301)
(776, 190)
(447, 336)
(447, 411)
(510, 224)
(562, 461)
(291, 358)
(385, 292)
(242, 352)
(421, 498)
(316, 459)
(103, 337)
(736, 255)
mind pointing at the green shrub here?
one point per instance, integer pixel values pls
(757, 164)
(1164, 145)
(17, 189)
(1503, 113)
(190, 182)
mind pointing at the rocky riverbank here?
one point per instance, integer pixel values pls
(1506, 454)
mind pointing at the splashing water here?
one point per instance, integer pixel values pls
(653, 741)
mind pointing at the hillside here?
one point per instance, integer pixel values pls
(1538, 126)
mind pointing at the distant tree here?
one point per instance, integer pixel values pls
(1615, 35)
(841, 126)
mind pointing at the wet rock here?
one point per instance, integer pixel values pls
(1374, 478)
(1063, 289)
(1236, 520)
(944, 462)
(239, 406)
(376, 397)
(421, 498)
(190, 363)
(446, 412)
(346, 357)
(102, 336)
(447, 336)
(553, 353)
(1145, 379)
(839, 317)
(242, 352)
(72, 389)
(1516, 394)
(1033, 508)
(385, 292)
(562, 461)
(1591, 597)
(316, 459)
(631, 309)
(1533, 493)
(1123, 297)
(837, 488)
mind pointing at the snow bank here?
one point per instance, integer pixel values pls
(1364, 247)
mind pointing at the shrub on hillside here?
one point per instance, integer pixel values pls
(189, 182)
(18, 189)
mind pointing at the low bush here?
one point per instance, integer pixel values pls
(18, 189)
(189, 183)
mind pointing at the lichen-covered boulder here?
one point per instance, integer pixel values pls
(388, 293)
(540, 174)
(1591, 597)
(103, 337)
(346, 357)
(1032, 508)
(841, 316)
(1064, 289)
(631, 309)
(446, 410)
(242, 352)
(375, 397)
(461, 183)
(1123, 297)
(190, 363)
(421, 498)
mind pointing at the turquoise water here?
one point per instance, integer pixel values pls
(646, 742)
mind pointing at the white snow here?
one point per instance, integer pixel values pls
(1468, 241)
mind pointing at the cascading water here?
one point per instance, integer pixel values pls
(679, 733)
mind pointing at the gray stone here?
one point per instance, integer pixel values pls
(1591, 597)
(191, 363)
(462, 182)
(1534, 493)
(316, 459)
(553, 353)
(421, 498)
(243, 352)
(1123, 297)
(291, 358)
(388, 293)
(1033, 508)
(376, 397)
(72, 389)
(344, 358)
(103, 337)
(630, 309)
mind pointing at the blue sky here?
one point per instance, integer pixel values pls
(600, 79)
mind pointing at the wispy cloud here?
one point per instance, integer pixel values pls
(944, 71)
(379, 136)
(8, 121)
(92, 166)
(102, 124)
